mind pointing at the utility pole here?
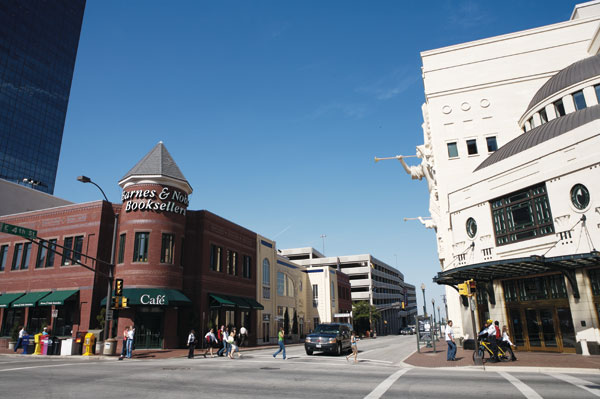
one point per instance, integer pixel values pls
(323, 237)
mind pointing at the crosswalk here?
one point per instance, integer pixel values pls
(417, 382)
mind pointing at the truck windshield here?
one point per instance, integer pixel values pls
(325, 329)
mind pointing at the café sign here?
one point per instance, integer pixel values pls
(165, 200)
(146, 299)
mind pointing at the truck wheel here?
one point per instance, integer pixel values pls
(309, 352)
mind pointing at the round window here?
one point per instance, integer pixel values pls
(471, 227)
(580, 196)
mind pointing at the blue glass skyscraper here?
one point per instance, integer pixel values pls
(38, 46)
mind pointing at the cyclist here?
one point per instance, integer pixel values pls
(488, 333)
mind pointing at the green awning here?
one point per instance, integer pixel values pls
(7, 299)
(254, 304)
(219, 300)
(57, 298)
(216, 301)
(30, 299)
(153, 297)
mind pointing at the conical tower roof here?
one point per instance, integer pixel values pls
(157, 164)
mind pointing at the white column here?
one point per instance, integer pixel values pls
(590, 96)
(550, 111)
(568, 103)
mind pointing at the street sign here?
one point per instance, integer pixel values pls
(55, 313)
(109, 315)
(18, 231)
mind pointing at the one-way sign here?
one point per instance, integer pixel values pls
(18, 231)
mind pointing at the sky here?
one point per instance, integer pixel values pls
(275, 110)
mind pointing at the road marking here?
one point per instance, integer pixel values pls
(47, 365)
(374, 361)
(521, 386)
(578, 382)
(385, 385)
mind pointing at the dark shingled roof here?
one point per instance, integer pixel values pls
(157, 162)
(542, 133)
(574, 73)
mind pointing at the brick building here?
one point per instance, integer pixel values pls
(181, 269)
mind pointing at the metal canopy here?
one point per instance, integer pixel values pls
(507, 268)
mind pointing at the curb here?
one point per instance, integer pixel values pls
(513, 369)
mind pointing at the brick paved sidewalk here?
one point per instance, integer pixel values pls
(427, 358)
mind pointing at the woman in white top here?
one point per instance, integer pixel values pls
(211, 340)
(506, 344)
(234, 348)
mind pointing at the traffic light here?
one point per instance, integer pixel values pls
(472, 287)
(123, 302)
(463, 289)
(402, 304)
(119, 287)
(116, 302)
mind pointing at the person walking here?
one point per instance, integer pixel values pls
(191, 342)
(22, 333)
(280, 337)
(354, 346)
(449, 333)
(130, 337)
(243, 336)
(233, 342)
(222, 341)
(211, 341)
(506, 344)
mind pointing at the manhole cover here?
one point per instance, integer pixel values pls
(269, 368)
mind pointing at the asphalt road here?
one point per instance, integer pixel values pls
(379, 374)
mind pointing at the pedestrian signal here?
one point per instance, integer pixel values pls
(472, 287)
(463, 289)
(119, 287)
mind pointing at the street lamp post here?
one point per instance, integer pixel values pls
(107, 335)
(445, 306)
(424, 301)
(434, 320)
(439, 315)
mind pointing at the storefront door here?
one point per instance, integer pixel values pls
(542, 328)
(148, 328)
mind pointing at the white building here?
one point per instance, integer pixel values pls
(371, 280)
(511, 155)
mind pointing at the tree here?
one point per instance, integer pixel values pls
(295, 323)
(286, 322)
(360, 314)
(101, 318)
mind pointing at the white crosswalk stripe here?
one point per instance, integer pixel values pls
(385, 385)
(521, 386)
(578, 382)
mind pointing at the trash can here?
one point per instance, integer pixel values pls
(110, 347)
(56, 344)
(49, 345)
(44, 344)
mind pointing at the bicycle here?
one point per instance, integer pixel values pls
(485, 348)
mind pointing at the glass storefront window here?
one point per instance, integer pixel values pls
(567, 330)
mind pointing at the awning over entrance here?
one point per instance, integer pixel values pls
(7, 299)
(29, 300)
(57, 298)
(488, 271)
(154, 297)
(231, 301)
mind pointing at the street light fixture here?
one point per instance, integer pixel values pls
(424, 301)
(434, 320)
(107, 335)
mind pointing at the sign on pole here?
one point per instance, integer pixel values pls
(55, 313)
(18, 231)
(109, 315)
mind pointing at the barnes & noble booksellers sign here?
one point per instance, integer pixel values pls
(165, 200)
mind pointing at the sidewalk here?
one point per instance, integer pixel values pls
(464, 358)
(158, 353)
